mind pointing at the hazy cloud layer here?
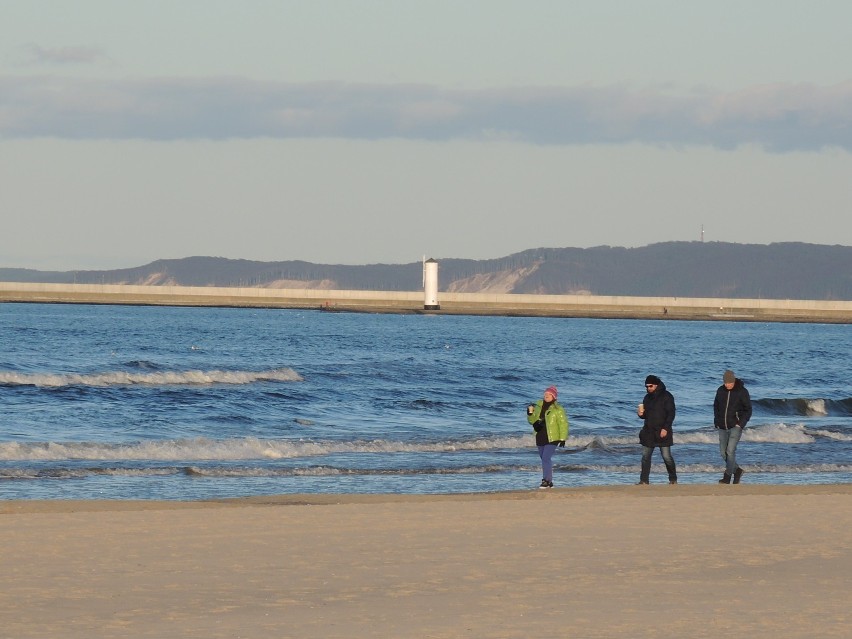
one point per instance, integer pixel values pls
(34, 54)
(776, 117)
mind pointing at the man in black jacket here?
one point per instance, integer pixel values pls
(658, 411)
(731, 412)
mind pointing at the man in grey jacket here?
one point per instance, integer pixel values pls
(731, 412)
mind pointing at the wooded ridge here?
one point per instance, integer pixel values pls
(788, 270)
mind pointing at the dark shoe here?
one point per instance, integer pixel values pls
(673, 481)
(545, 484)
(726, 479)
(739, 472)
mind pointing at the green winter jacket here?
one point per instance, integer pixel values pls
(554, 419)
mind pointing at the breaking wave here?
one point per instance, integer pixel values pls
(155, 378)
(235, 449)
(806, 407)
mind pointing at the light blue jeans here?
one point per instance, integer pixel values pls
(546, 454)
(728, 440)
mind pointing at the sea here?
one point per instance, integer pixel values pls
(177, 403)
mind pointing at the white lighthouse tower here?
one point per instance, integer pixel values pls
(430, 285)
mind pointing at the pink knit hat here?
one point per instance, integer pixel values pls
(552, 390)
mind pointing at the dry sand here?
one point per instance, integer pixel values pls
(638, 561)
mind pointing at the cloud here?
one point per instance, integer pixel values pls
(36, 54)
(776, 117)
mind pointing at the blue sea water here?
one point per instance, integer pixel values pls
(127, 402)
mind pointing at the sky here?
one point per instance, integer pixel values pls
(383, 131)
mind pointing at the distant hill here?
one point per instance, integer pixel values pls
(789, 270)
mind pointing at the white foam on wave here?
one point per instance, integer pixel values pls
(830, 434)
(182, 450)
(815, 407)
(768, 433)
(778, 434)
(161, 378)
(233, 449)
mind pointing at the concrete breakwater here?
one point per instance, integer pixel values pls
(600, 306)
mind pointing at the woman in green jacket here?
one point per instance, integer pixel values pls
(551, 430)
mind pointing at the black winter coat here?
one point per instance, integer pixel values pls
(732, 407)
(659, 414)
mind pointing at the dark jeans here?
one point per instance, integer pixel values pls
(668, 460)
(546, 454)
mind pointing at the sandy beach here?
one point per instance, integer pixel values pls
(658, 561)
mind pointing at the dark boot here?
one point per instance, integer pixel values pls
(726, 479)
(737, 474)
